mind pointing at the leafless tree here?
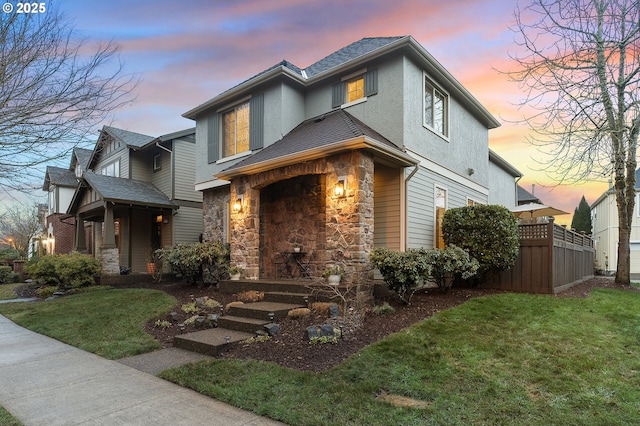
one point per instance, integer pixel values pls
(18, 224)
(579, 64)
(54, 89)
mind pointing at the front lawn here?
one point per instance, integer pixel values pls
(107, 322)
(7, 419)
(7, 291)
(506, 359)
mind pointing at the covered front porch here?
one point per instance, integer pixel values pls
(128, 220)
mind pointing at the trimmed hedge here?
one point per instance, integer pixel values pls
(64, 270)
(489, 233)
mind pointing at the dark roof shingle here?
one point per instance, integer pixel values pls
(128, 191)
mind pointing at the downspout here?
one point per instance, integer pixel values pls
(405, 230)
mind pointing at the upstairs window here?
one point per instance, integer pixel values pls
(354, 87)
(157, 162)
(235, 130)
(436, 108)
(111, 169)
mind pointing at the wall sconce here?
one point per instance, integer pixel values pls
(341, 187)
(159, 218)
(237, 205)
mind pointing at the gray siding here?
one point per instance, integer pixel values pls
(187, 225)
(502, 187)
(467, 145)
(141, 165)
(162, 178)
(421, 207)
(185, 171)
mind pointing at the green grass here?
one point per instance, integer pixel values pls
(509, 359)
(109, 323)
(7, 292)
(7, 419)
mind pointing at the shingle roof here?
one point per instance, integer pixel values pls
(59, 176)
(525, 196)
(128, 191)
(83, 156)
(347, 53)
(333, 127)
(130, 139)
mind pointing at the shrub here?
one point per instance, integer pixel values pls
(384, 309)
(190, 308)
(321, 307)
(450, 262)
(5, 271)
(64, 270)
(403, 272)
(299, 313)
(488, 233)
(191, 260)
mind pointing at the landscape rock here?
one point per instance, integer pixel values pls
(272, 329)
(334, 311)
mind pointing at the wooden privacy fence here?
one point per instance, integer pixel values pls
(552, 258)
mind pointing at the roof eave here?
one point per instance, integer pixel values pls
(360, 142)
(243, 87)
(504, 164)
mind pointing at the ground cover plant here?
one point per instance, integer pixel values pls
(502, 359)
(107, 322)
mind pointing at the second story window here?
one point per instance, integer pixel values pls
(111, 169)
(355, 89)
(436, 109)
(235, 130)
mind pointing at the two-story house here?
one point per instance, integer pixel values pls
(136, 195)
(366, 147)
(604, 218)
(60, 184)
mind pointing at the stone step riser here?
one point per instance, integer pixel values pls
(248, 312)
(231, 287)
(236, 324)
(212, 344)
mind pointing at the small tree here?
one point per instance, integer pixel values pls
(581, 221)
(489, 233)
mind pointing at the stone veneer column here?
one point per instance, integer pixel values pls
(350, 218)
(245, 228)
(215, 210)
(109, 253)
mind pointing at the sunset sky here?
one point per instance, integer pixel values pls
(187, 52)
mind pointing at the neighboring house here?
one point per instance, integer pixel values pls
(364, 148)
(60, 185)
(136, 195)
(526, 197)
(604, 218)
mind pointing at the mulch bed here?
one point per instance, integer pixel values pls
(290, 347)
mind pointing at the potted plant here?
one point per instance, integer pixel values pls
(235, 272)
(297, 248)
(151, 262)
(333, 274)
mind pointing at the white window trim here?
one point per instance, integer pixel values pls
(352, 76)
(447, 111)
(234, 157)
(352, 103)
(157, 165)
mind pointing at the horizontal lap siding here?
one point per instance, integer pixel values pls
(420, 195)
(187, 225)
(387, 207)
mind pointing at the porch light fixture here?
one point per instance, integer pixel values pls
(159, 218)
(237, 205)
(341, 187)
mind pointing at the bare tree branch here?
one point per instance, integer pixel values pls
(54, 90)
(579, 66)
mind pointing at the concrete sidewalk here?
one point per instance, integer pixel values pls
(46, 382)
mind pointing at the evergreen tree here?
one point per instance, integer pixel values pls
(582, 217)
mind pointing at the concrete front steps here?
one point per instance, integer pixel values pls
(244, 321)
